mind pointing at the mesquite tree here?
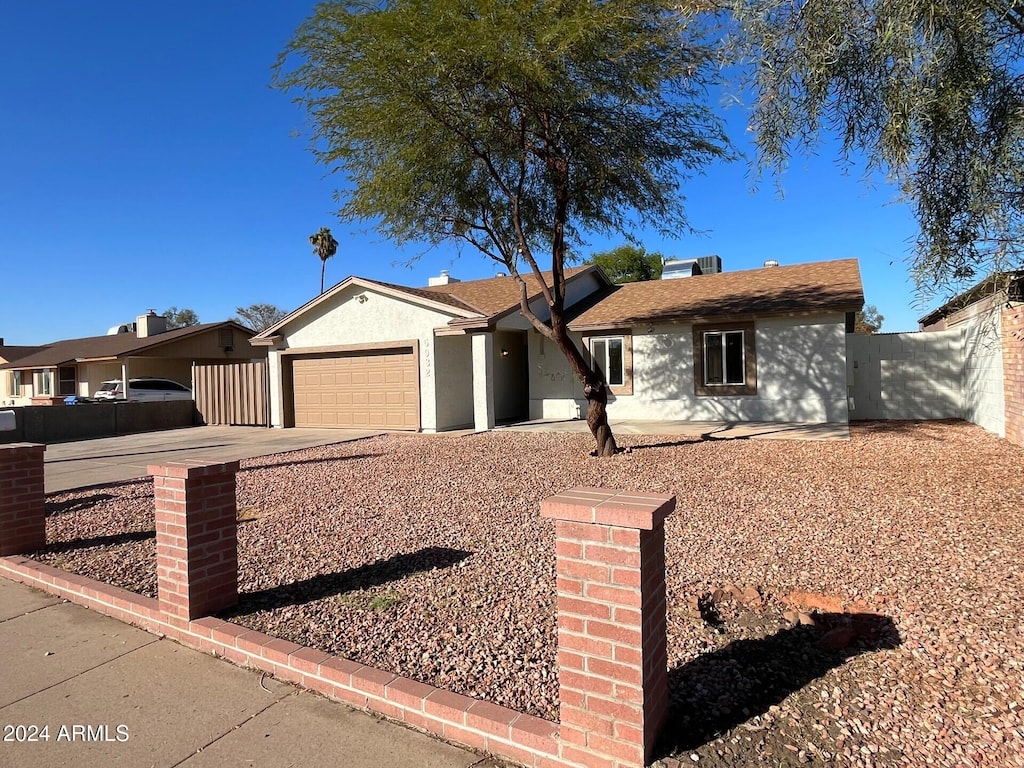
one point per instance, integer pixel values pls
(511, 125)
(932, 94)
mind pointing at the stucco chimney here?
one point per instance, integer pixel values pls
(443, 279)
(150, 324)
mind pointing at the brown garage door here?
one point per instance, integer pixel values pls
(361, 390)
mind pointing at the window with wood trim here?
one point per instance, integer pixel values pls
(724, 360)
(612, 357)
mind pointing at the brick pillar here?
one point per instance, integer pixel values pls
(196, 537)
(612, 656)
(22, 499)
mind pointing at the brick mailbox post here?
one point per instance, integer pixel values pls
(612, 654)
(22, 499)
(196, 537)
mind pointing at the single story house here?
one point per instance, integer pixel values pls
(764, 344)
(46, 374)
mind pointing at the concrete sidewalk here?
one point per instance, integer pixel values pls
(110, 694)
(115, 459)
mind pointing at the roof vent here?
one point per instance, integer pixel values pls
(677, 268)
(771, 263)
(443, 279)
(114, 330)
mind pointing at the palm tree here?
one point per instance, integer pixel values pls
(324, 246)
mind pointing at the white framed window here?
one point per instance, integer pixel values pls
(17, 383)
(724, 358)
(43, 382)
(608, 354)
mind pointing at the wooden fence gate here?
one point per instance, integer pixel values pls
(232, 393)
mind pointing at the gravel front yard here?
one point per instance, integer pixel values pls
(426, 555)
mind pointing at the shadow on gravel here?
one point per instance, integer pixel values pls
(718, 691)
(933, 429)
(325, 585)
(76, 505)
(98, 541)
(670, 444)
(295, 462)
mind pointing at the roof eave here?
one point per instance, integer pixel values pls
(689, 317)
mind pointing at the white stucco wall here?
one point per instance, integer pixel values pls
(801, 376)
(343, 320)
(454, 381)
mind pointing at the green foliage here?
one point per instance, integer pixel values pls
(931, 93)
(259, 317)
(180, 318)
(510, 125)
(324, 246)
(868, 320)
(629, 264)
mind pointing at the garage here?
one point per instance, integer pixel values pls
(367, 389)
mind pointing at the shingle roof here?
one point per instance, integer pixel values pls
(428, 293)
(826, 285)
(495, 295)
(11, 353)
(1012, 282)
(93, 347)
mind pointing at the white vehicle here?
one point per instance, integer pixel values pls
(147, 389)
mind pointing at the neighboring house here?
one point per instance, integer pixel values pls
(765, 344)
(989, 321)
(46, 374)
(11, 384)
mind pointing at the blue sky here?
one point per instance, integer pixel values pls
(145, 162)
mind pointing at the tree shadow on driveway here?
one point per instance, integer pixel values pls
(720, 690)
(328, 584)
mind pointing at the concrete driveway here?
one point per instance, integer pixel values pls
(115, 459)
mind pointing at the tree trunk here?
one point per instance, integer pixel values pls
(597, 419)
(594, 390)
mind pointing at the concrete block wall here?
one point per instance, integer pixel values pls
(905, 375)
(612, 656)
(984, 403)
(1013, 372)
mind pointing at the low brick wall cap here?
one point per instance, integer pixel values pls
(192, 468)
(22, 446)
(605, 506)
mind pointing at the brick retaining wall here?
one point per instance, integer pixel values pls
(612, 658)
